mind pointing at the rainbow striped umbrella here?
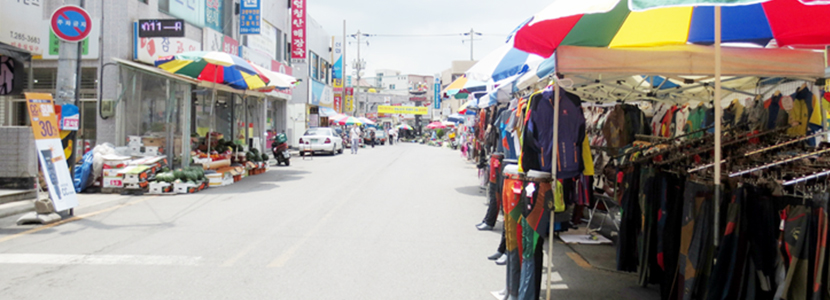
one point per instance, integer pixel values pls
(610, 23)
(349, 121)
(218, 67)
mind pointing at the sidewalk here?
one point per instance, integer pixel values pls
(85, 202)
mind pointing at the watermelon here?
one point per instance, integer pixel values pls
(179, 174)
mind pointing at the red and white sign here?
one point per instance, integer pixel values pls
(149, 49)
(282, 68)
(298, 31)
(338, 102)
(71, 23)
(216, 41)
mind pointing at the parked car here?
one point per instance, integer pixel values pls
(322, 139)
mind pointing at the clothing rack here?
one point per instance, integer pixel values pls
(785, 161)
(805, 178)
(786, 143)
(731, 142)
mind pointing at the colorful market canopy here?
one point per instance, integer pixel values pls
(435, 125)
(404, 127)
(610, 23)
(463, 85)
(218, 67)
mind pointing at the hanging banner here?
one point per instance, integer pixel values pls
(437, 95)
(298, 31)
(249, 16)
(321, 94)
(41, 110)
(213, 14)
(403, 110)
(337, 68)
(348, 98)
(149, 49)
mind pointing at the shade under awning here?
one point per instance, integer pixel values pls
(690, 60)
(14, 52)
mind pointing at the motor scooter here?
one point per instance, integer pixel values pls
(280, 149)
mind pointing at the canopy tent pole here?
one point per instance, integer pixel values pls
(718, 123)
(553, 175)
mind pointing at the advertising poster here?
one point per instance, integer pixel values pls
(192, 11)
(46, 130)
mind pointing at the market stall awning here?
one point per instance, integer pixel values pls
(14, 52)
(327, 111)
(690, 60)
(611, 24)
(200, 83)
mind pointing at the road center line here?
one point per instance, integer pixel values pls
(77, 259)
(73, 219)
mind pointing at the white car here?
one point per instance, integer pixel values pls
(321, 139)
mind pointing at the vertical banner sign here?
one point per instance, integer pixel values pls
(213, 14)
(349, 97)
(298, 31)
(338, 94)
(41, 110)
(249, 17)
(436, 98)
(337, 69)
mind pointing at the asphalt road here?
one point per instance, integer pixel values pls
(393, 222)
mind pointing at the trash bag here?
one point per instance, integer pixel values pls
(82, 172)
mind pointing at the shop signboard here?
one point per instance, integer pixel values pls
(11, 76)
(213, 14)
(348, 99)
(147, 50)
(249, 16)
(192, 11)
(265, 41)
(256, 57)
(17, 19)
(402, 110)
(161, 28)
(216, 41)
(321, 94)
(41, 109)
(298, 31)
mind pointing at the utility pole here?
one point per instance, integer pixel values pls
(358, 67)
(68, 83)
(472, 35)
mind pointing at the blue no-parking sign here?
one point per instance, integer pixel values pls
(71, 23)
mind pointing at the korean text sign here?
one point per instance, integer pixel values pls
(249, 17)
(50, 152)
(298, 31)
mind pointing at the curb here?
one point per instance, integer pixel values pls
(17, 207)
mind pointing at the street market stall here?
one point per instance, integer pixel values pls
(595, 73)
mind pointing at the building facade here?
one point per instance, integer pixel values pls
(140, 100)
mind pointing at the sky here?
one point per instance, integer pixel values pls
(430, 55)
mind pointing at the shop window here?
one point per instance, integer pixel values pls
(150, 108)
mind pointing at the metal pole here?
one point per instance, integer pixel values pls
(472, 35)
(718, 116)
(357, 85)
(553, 175)
(345, 70)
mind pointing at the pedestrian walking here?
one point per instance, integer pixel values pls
(355, 136)
(372, 138)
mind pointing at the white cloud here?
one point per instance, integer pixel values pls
(421, 55)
